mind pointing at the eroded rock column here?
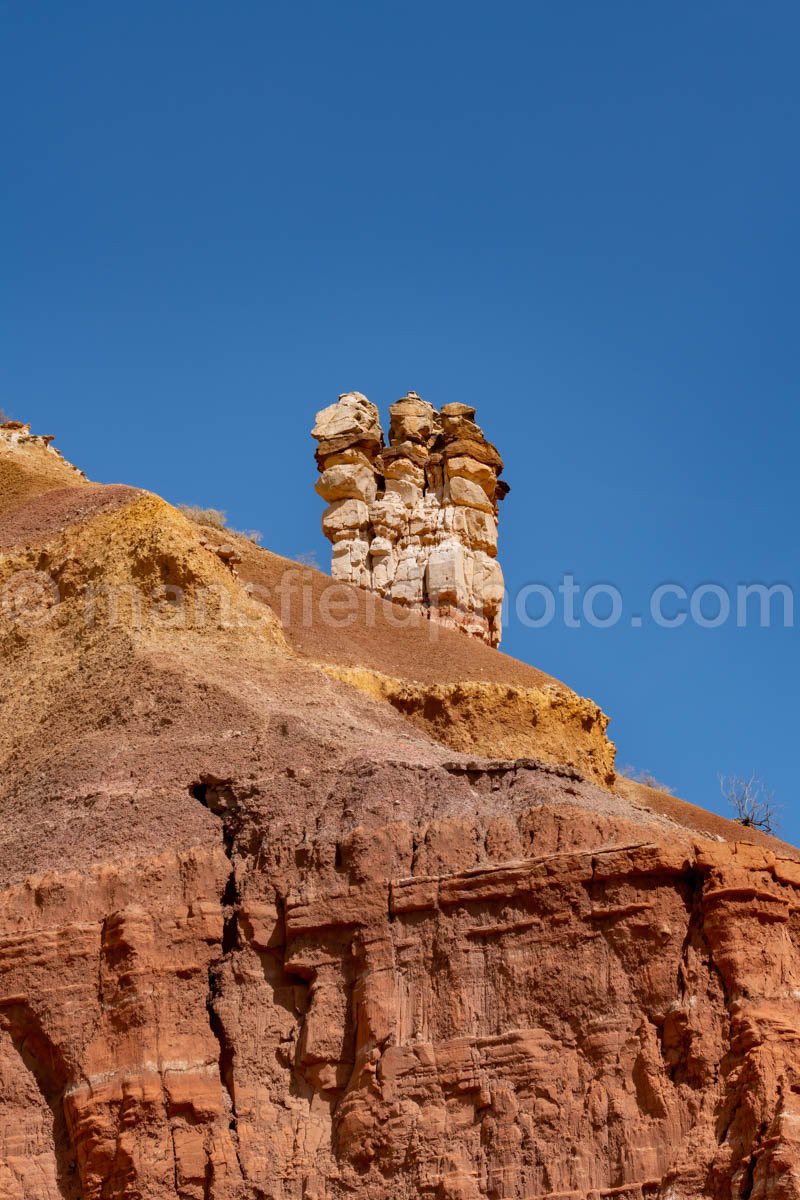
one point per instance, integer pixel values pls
(464, 578)
(349, 436)
(414, 520)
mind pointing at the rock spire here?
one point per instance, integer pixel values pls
(414, 520)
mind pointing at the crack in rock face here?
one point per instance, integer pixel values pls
(219, 797)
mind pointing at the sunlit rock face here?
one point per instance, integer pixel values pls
(291, 911)
(414, 520)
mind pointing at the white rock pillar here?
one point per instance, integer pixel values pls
(415, 520)
(349, 439)
(468, 594)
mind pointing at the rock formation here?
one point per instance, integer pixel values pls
(277, 921)
(415, 520)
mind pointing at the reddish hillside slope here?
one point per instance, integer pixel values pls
(310, 908)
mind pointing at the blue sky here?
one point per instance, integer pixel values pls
(581, 218)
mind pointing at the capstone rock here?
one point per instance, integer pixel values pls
(429, 538)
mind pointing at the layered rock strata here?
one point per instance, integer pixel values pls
(262, 937)
(16, 434)
(542, 1000)
(414, 520)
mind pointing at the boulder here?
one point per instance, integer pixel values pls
(471, 495)
(412, 419)
(352, 417)
(347, 481)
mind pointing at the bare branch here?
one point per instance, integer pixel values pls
(754, 806)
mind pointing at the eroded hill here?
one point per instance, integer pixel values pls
(299, 903)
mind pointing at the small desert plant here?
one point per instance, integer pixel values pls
(215, 518)
(644, 777)
(754, 806)
(4, 416)
(308, 559)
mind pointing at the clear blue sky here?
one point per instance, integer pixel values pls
(582, 218)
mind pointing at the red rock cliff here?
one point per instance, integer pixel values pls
(296, 912)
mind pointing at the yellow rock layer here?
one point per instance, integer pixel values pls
(493, 719)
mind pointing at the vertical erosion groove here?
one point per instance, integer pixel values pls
(45, 1063)
(219, 798)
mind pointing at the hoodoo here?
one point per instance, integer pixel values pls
(414, 520)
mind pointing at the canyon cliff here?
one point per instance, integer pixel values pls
(304, 897)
